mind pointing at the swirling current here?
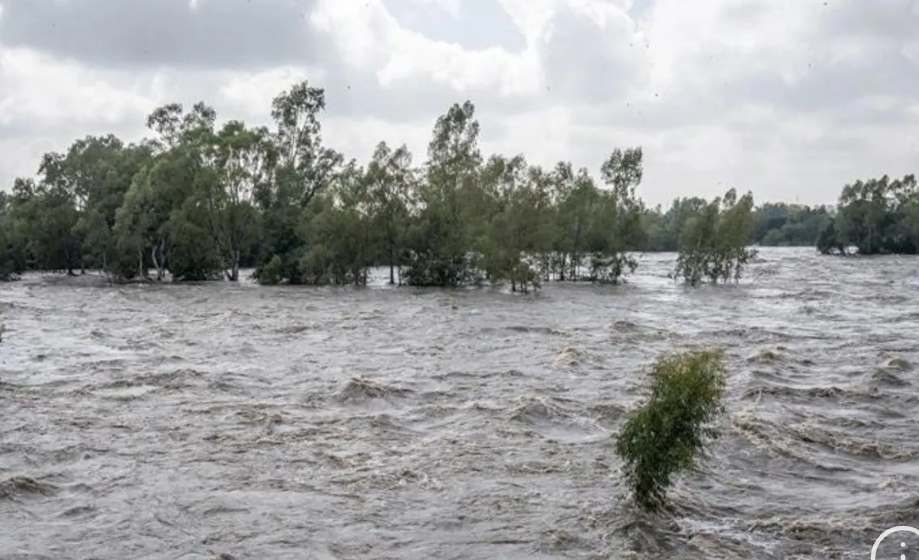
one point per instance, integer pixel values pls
(238, 421)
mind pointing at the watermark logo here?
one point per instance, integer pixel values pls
(887, 533)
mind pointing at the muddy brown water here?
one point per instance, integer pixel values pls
(182, 422)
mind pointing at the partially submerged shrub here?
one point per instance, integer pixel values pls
(665, 435)
(272, 271)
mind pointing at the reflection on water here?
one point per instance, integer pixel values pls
(257, 422)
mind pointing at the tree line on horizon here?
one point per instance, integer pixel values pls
(200, 201)
(875, 217)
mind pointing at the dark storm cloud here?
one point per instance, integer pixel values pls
(218, 34)
(479, 25)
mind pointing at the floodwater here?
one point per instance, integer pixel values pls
(182, 422)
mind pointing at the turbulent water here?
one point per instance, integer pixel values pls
(197, 421)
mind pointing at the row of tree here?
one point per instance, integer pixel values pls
(200, 201)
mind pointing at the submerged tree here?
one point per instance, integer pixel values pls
(665, 436)
(304, 169)
(203, 199)
(616, 230)
(339, 229)
(439, 248)
(714, 242)
(828, 242)
(876, 216)
(390, 183)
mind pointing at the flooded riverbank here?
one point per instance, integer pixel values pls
(171, 421)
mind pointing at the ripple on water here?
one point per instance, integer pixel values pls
(206, 420)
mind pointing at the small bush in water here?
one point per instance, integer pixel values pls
(666, 434)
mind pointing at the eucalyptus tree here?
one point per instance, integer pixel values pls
(304, 168)
(96, 172)
(159, 212)
(390, 181)
(714, 243)
(525, 235)
(576, 210)
(438, 242)
(616, 231)
(242, 161)
(561, 182)
(49, 215)
(879, 215)
(338, 226)
(506, 210)
(864, 209)
(13, 253)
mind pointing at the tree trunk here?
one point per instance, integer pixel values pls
(156, 261)
(159, 259)
(162, 271)
(141, 273)
(236, 259)
(392, 265)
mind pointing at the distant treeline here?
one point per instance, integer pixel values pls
(200, 201)
(878, 216)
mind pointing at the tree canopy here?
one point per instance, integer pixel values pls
(877, 216)
(202, 199)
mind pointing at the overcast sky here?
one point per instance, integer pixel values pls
(788, 98)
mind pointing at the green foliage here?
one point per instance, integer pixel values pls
(13, 258)
(202, 199)
(787, 225)
(665, 436)
(713, 242)
(339, 228)
(877, 216)
(300, 168)
(439, 242)
(272, 272)
(828, 241)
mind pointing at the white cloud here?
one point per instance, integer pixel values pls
(788, 98)
(251, 94)
(372, 40)
(41, 92)
(451, 7)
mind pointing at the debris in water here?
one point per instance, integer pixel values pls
(19, 485)
(884, 377)
(568, 357)
(360, 388)
(765, 356)
(533, 408)
(900, 364)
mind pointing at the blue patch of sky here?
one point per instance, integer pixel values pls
(480, 24)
